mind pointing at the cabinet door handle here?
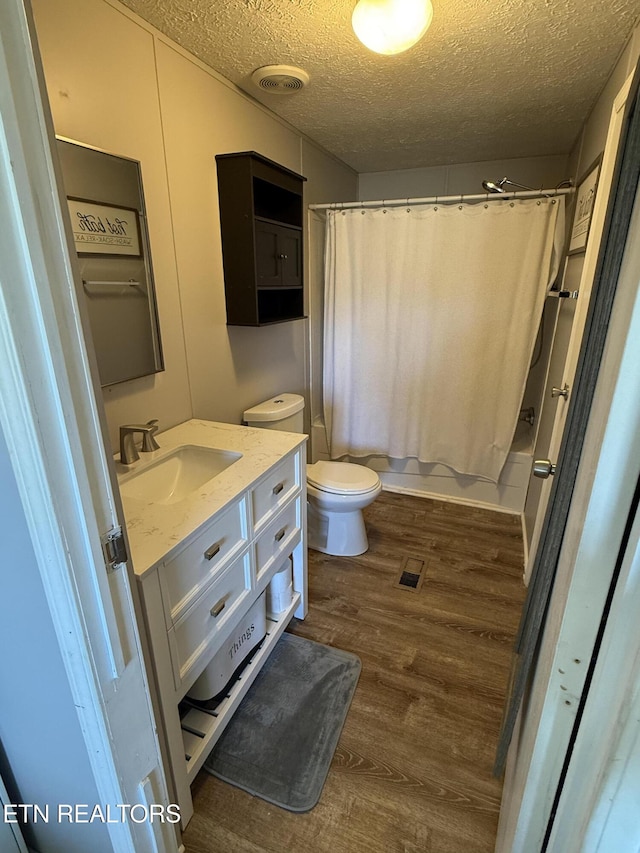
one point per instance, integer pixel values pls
(280, 534)
(211, 552)
(217, 609)
(277, 489)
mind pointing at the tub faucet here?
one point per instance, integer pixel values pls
(128, 449)
(528, 415)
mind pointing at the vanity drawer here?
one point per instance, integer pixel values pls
(186, 575)
(275, 490)
(275, 543)
(200, 629)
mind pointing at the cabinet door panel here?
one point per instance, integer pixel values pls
(290, 246)
(267, 252)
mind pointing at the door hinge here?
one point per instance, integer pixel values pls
(563, 294)
(114, 549)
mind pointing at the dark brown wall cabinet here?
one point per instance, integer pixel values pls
(261, 224)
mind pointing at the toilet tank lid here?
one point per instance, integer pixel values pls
(275, 409)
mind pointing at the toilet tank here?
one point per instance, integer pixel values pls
(284, 412)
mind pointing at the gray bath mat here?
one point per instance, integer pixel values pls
(281, 740)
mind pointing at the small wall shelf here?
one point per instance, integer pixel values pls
(261, 217)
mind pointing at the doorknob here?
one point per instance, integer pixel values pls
(560, 392)
(543, 468)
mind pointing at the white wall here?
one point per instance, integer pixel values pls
(116, 83)
(100, 72)
(229, 369)
(462, 177)
(43, 759)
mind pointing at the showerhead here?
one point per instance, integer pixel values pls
(493, 186)
(499, 186)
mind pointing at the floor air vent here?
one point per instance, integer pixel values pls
(411, 574)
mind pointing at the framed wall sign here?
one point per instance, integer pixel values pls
(105, 199)
(102, 229)
(585, 198)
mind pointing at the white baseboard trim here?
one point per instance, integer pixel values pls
(419, 493)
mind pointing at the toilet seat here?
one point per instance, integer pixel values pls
(342, 478)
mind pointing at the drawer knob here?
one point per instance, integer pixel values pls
(211, 552)
(217, 609)
(280, 534)
(277, 489)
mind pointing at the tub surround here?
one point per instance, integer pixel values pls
(439, 482)
(203, 564)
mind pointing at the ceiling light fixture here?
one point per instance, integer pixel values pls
(391, 26)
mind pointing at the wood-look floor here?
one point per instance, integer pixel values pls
(412, 771)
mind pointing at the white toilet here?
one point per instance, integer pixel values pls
(337, 491)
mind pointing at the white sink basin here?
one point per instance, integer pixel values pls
(177, 475)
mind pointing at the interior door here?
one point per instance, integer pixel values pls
(52, 422)
(584, 293)
(614, 233)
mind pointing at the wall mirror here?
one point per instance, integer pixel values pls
(108, 218)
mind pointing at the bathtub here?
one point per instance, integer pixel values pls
(438, 481)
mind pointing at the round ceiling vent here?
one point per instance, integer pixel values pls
(280, 79)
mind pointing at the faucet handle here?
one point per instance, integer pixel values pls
(149, 442)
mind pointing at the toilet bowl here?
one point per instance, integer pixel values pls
(337, 492)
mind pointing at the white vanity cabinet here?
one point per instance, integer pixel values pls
(213, 567)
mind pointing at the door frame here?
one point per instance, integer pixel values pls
(596, 231)
(590, 527)
(53, 425)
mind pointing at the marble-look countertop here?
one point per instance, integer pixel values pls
(154, 529)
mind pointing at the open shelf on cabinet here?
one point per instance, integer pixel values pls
(201, 729)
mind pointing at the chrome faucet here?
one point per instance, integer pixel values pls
(128, 449)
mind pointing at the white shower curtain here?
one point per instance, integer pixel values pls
(431, 316)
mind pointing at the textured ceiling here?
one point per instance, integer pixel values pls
(491, 79)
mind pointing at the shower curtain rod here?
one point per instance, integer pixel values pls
(442, 199)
